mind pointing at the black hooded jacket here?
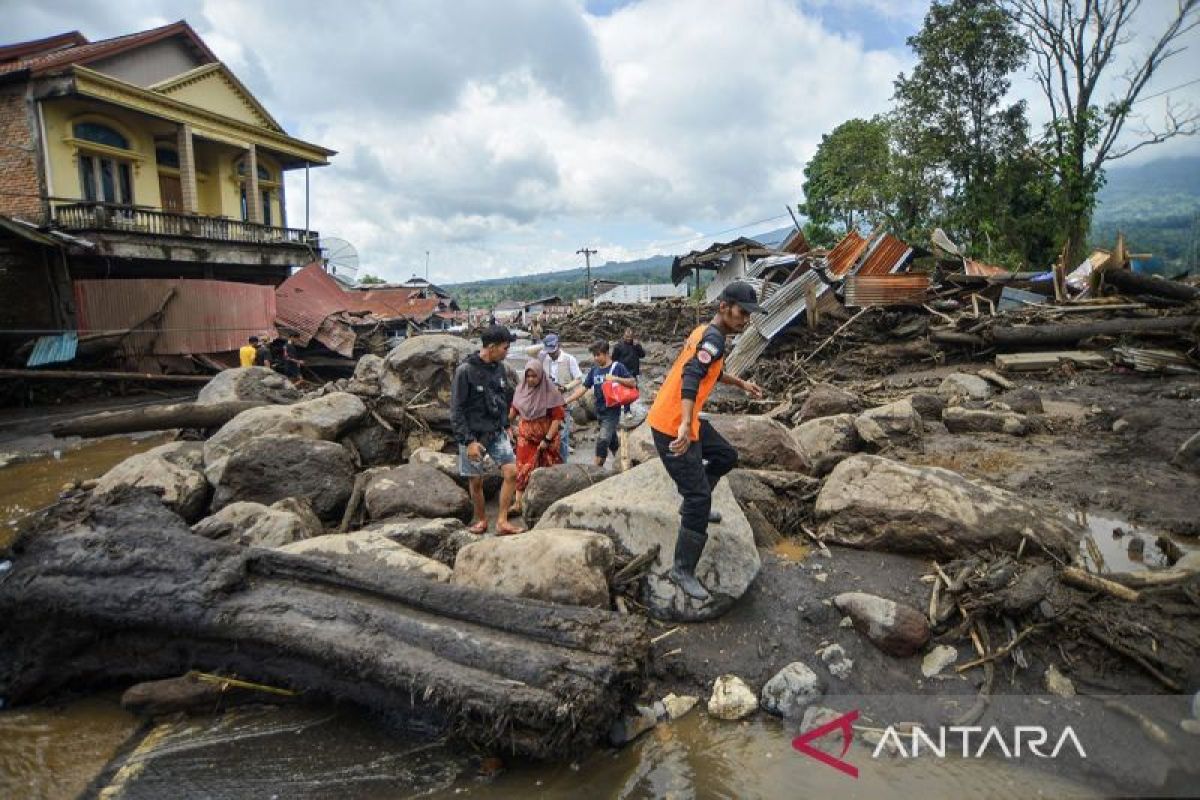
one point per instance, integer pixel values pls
(479, 400)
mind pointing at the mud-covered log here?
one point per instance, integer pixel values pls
(1055, 335)
(154, 418)
(121, 589)
(99, 375)
(1136, 283)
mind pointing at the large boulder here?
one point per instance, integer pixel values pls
(559, 566)
(374, 546)
(439, 539)
(550, 484)
(1187, 457)
(825, 441)
(248, 383)
(761, 442)
(415, 490)
(423, 364)
(896, 422)
(895, 628)
(368, 375)
(977, 420)
(447, 464)
(639, 509)
(376, 445)
(173, 471)
(826, 401)
(257, 525)
(270, 468)
(325, 417)
(964, 386)
(876, 503)
(641, 444)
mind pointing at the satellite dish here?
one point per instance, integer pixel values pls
(340, 258)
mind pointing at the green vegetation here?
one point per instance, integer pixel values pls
(568, 284)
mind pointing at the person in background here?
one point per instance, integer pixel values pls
(693, 453)
(480, 397)
(630, 353)
(538, 411)
(605, 369)
(563, 369)
(262, 355)
(291, 359)
(248, 353)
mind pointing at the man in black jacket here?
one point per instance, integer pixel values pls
(479, 401)
(629, 352)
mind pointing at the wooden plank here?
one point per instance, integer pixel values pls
(1028, 362)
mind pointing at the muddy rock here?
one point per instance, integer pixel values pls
(568, 567)
(836, 661)
(374, 546)
(825, 441)
(447, 464)
(639, 509)
(248, 383)
(969, 420)
(631, 726)
(880, 504)
(773, 501)
(1187, 457)
(1024, 401)
(368, 374)
(191, 693)
(1056, 683)
(793, 689)
(172, 470)
(964, 386)
(731, 699)
(895, 628)
(270, 468)
(423, 363)
(254, 524)
(324, 418)
(583, 410)
(929, 406)
(825, 400)
(761, 442)
(376, 445)
(896, 422)
(641, 444)
(439, 539)
(415, 490)
(677, 706)
(547, 485)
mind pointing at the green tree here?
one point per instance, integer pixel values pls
(846, 183)
(370, 280)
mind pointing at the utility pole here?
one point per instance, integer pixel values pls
(587, 257)
(427, 266)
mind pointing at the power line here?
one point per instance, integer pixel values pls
(1165, 91)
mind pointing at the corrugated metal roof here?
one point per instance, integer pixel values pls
(887, 254)
(53, 349)
(845, 253)
(198, 316)
(387, 302)
(641, 293)
(978, 268)
(886, 290)
(304, 300)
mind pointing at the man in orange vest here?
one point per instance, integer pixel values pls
(694, 454)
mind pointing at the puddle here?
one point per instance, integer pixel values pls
(1113, 537)
(792, 550)
(30, 485)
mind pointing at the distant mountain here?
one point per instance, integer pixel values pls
(1156, 206)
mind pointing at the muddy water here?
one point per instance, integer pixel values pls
(1113, 535)
(314, 753)
(30, 485)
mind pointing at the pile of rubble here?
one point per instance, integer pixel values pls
(665, 321)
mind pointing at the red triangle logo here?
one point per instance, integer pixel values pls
(844, 724)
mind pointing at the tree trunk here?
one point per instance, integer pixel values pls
(154, 418)
(1134, 283)
(1056, 335)
(119, 588)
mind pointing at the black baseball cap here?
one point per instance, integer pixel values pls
(743, 294)
(496, 334)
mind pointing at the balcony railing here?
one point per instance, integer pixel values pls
(133, 219)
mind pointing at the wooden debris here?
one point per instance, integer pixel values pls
(1030, 362)
(1085, 580)
(154, 418)
(992, 376)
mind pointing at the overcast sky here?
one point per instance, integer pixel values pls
(503, 135)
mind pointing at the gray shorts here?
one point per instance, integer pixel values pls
(499, 449)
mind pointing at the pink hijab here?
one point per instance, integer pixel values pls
(534, 402)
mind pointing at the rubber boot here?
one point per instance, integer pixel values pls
(688, 547)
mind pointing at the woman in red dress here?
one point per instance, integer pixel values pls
(538, 409)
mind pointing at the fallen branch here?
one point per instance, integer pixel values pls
(834, 335)
(154, 418)
(1085, 580)
(1001, 651)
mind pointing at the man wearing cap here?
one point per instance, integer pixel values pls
(694, 454)
(563, 369)
(480, 397)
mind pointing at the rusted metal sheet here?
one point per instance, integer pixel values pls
(304, 300)
(978, 268)
(197, 316)
(846, 253)
(886, 290)
(386, 303)
(886, 255)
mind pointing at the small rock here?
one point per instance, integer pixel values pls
(821, 577)
(895, 628)
(1024, 401)
(970, 420)
(731, 699)
(836, 660)
(825, 400)
(1136, 547)
(938, 659)
(961, 384)
(874, 738)
(846, 622)
(678, 705)
(929, 406)
(89, 484)
(1057, 683)
(896, 422)
(630, 727)
(793, 688)
(1120, 426)
(1187, 457)
(1191, 726)
(815, 717)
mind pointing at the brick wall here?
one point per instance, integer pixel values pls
(25, 299)
(20, 187)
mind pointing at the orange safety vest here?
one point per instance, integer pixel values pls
(667, 412)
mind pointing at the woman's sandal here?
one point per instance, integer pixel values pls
(480, 527)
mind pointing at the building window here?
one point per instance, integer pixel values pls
(266, 206)
(105, 180)
(100, 134)
(167, 157)
(263, 173)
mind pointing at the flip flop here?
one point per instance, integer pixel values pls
(508, 529)
(480, 527)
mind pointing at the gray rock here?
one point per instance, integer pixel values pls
(677, 706)
(826, 441)
(248, 383)
(631, 726)
(731, 699)
(1187, 457)
(929, 406)
(641, 444)
(794, 688)
(970, 420)
(376, 445)
(965, 386)
(772, 500)
(895, 628)
(937, 659)
(875, 503)
(424, 364)
(270, 468)
(836, 661)
(256, 525)
(439, 539)
(173, 471)
(374, 546)
(896, 422)
(639, 509)
(569, 567)
(368, 376)
(547, 485)
(826, 401)
(761, 442)
(415, 490)
(447, 464)
(1024, 401)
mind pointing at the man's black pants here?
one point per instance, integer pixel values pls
(697, 471)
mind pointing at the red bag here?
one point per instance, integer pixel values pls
(617, 395)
